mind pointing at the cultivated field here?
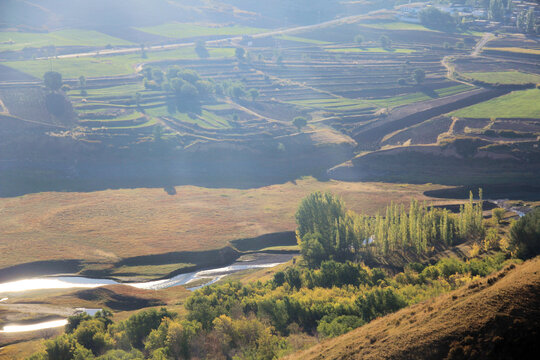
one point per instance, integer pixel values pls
(518, 104)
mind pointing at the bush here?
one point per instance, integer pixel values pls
(334, 326)
(52, 80)
(525, 235)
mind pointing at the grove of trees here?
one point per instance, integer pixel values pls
(327, 231)
(434, 18)
(326, 294)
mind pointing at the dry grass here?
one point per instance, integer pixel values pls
(500, 313)
(21, 350)
(105, 226)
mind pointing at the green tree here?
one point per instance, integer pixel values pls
(331, 326)
(61, 348)
(299, 122)
(385, 42)
(525, 235)
(530, 22)
(497, 214)
(496, 10)
(418, 76)
(434, 18)
(139, 325)
(52, 80)
(240, 53)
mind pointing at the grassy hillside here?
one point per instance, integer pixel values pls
(104, 226)
(494, 318)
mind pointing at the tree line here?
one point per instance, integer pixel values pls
(328, 231)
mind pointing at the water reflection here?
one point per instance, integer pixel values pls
(34, 327)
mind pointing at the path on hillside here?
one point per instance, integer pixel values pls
(480, 45)
(446, 61)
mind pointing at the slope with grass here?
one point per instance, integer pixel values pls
(518, 104)
(495, 318)
(105, 226)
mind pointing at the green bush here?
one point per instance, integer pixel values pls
(525, 235)
(330, 326)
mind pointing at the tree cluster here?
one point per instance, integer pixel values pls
(327, 231)
(434, 18)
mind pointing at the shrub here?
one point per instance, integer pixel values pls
(334, 326)
(525, 235)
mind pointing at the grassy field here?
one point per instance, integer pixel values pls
(302, 40)
(343, 104)
(206, 119)
(149, 122)
(104, 226)
(335, 104)
(371, 50)
(108, 65)
(177, 30)
(504, 77)
(15, 41)
(517, 104)
(515, 50)
(420, 96)
(111, 91)
(396, 25)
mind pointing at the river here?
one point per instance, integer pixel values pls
(197, 278)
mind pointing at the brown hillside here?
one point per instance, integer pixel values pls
(496, 318)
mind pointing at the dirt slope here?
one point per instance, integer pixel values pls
(497, 318)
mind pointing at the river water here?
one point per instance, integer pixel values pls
(198, 278)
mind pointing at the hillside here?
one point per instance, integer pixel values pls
(495, 318)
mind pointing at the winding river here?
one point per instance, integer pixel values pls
(197, 278)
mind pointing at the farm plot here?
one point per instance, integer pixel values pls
(517, 104)
(421, 96)
(15, 41)
(111, 91)
(396, 25)
(504, 77)
(301, 40)
(108, 65)
(423, 133)
(206, 119)
(124, 120)
(370, 50)
(336, 104)
(513, 50)
(177, 30)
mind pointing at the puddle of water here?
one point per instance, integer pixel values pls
(34, 327)
(90, 312)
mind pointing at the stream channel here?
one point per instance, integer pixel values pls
(200, 278)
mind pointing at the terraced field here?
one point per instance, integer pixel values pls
(15, 41)
(518, 104)
(177, 30)
(366, 94)
(505, 77)
(72, 68)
